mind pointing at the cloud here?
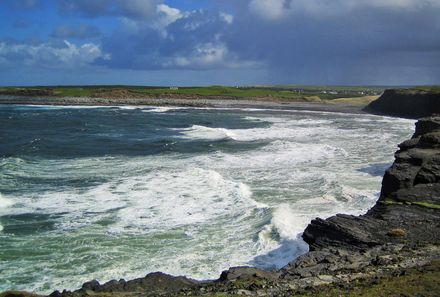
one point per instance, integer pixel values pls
(173, 40)
(166, 15)
(273, 10)
(341, 42)
(79, 32)
(268, 9)
(138, 9)
(292, 41)
(49, 55)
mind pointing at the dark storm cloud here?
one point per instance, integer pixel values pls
(302, 41)
(79, 32)
(335, 47)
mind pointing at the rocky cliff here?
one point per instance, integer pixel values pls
(407, 103)
(401, 232)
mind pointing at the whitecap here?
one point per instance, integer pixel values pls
(4, 202)
(203, 132)
(161, 109)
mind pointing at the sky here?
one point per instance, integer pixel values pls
(213, 42)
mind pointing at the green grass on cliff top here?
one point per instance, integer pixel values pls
(287, 92)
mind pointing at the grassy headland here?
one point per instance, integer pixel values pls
(278, 93)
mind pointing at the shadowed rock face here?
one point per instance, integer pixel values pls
(409, 200)
(401, 231)
(406, 103)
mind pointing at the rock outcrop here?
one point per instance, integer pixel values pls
(406, 103)
(400, 232)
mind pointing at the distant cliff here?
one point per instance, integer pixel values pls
(407, 103)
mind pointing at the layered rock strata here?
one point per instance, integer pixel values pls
(406, 103)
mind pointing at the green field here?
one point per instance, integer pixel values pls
(288, 93)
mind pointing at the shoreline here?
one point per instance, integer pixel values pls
(395, 237)
(321, 106)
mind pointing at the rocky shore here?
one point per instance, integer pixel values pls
(398, 237)
(407, 103)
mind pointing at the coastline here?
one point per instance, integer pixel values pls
(396, 237)
(269, 103)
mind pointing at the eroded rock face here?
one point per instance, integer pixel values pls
(406, 103)
(409, 200)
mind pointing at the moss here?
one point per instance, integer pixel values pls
(414, 282)
(390, 201)
(427, 204)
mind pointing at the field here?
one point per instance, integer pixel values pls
(281, 93)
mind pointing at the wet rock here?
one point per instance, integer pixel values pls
(246, 273)
(398, 232)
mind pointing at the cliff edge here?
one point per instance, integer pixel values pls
(407, 103)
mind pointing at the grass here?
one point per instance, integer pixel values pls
(415, 282)
(283, 93)
(391, 201)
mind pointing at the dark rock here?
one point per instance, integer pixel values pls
(245, 273)
(409, 206)
(397, 232)
(428, 125)
(408, 103)
(91, 285)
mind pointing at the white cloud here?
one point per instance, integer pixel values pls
(166, 15)
(227, 18)
(67, 55)
(209, 55)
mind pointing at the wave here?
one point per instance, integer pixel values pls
(147, 202)
(280, 240)
(161, 109)
(208, 133)
(284, 131)
(4, 203)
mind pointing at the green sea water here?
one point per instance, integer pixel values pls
(118, 192)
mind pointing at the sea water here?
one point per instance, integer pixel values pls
(118, 192)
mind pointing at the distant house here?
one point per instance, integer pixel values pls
(174, 88)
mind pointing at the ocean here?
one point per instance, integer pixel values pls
(118, 192)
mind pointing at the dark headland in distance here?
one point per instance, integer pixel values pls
(392, 250)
